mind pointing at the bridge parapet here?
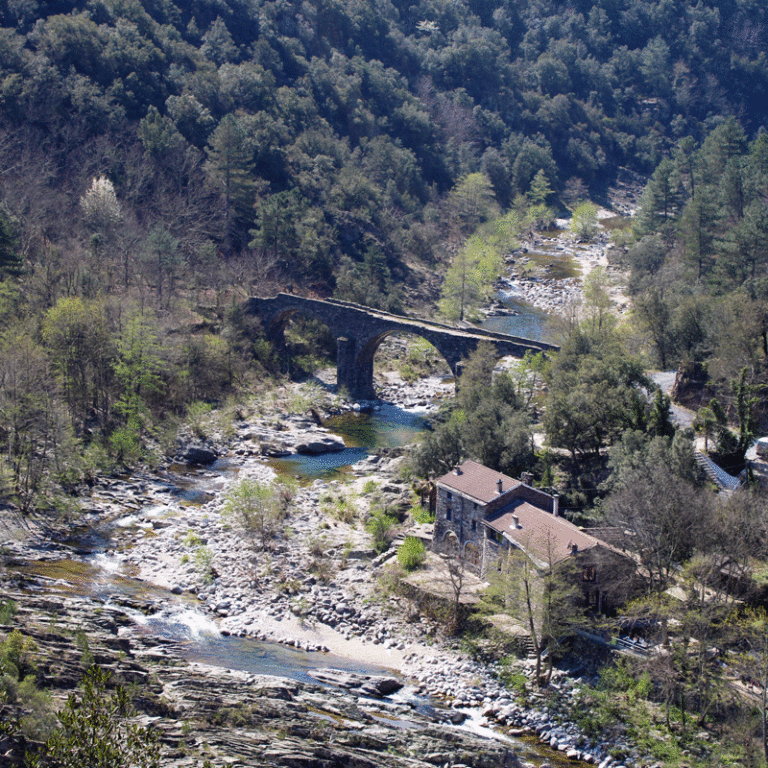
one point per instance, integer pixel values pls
(360, 330)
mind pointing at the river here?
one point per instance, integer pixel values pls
(178, 620)
(384, 426)
(194, 636)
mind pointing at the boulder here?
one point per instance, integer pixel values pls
(198, 454)
(370, 685)
(274, 450)
(319, 445)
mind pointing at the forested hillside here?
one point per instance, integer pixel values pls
(310, 131)
(698, 264)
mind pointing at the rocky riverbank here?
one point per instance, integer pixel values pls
(203, 712)
(318, 586)
(529, 278)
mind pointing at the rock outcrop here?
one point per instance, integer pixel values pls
(237, 718)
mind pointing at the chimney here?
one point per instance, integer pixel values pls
(498, 485)
(457, 470)
(516, 521)
(556, 504)
(526, 478)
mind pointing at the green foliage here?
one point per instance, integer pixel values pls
(10, 258)
(18, 655)
(381, 526)
(197, 413)
(593, 394)
(421, 515)
(473, 200)
(8, 610)
(257, 507)
(230, 168)
(192, 539)
(137, 371)
(203, 560)
(96, 731)
(301, 399)
(540, 190)
(81, 641)
(487, 424)
(369, 283)
(583, 225)
(469, 280)
(369, 487)
(125, 443)
(510, 676)
(76, 334)
(342, 507)
(411, 553)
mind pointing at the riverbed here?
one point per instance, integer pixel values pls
(253, 611)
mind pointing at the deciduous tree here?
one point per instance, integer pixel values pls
(258, 507)
(470, 278)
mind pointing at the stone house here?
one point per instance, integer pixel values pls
(484, 513)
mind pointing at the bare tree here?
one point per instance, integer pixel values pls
(540, 596)
(663, 517)
(454, 559)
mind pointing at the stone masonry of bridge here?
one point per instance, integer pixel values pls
(360, 330)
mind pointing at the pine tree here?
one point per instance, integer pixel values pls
(229, 167)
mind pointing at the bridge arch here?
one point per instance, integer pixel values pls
(359, 331)
(278, 324)
(366, 355)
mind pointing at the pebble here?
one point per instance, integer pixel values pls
(250, 585)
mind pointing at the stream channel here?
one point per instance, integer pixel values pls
(94, 573)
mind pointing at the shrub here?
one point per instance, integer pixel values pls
(204, 564)
(369, 487)
(7, 611)
(96, 730)
(17, 655)
(197, 413)
(411, 553)
(422, 515)
(258, 507)
(380, 525)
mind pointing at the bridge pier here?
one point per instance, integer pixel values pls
(353, 372)
(360, 330)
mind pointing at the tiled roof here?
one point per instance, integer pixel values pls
(546, 538)
(477, 481)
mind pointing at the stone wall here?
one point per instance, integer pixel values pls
(464, 518)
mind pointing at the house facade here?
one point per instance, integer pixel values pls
(484, 513)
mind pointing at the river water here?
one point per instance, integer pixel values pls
(384, 426)
(194, 636)
(178, 619)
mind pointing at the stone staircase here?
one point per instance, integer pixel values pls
(716, 474)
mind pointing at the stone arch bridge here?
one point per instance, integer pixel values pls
(360, 330)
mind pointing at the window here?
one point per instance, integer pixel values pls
(450, 495)
(474, 525)
(448, 513)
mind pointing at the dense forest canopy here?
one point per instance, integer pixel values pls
(699, 261)
(306, 131)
